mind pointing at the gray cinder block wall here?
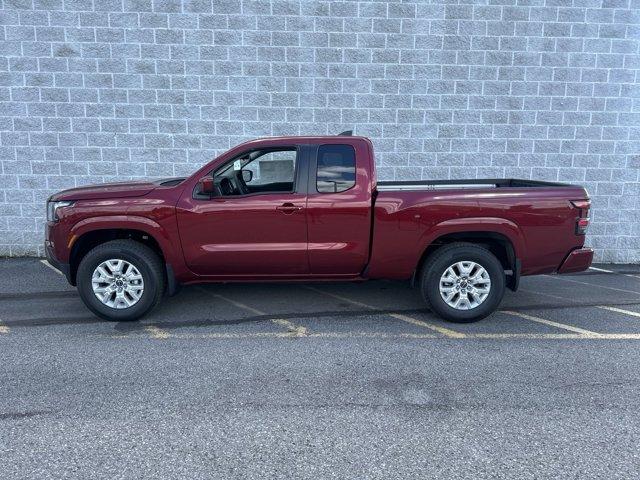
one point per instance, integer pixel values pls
(103, 90)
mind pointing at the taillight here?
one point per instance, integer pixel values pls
(582, 222)
(581, 226)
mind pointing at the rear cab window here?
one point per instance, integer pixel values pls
(336, 170)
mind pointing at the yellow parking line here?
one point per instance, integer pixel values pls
(531, 336)
(413, 321)
(551, 323)
(372, 335)
(157, 332)
(620, 336)
(223, 336)
(294, 330)
(310, 335)
(619, 310)
(47, 264)
(417, 336)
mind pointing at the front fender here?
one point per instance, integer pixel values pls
(127, 222)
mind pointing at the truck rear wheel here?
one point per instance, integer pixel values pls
(120, 280)
(462, 282)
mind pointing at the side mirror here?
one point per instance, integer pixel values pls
(205, 185)
(247, 175)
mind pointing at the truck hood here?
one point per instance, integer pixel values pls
(106, 190)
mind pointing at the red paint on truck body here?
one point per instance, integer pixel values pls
(539, 223)
(363, 232)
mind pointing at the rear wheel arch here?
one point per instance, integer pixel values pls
(500, 245)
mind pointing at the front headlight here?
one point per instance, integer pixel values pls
(52, 216)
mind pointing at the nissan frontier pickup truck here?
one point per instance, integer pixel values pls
(311, 209)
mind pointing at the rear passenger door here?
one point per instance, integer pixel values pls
(339, 209)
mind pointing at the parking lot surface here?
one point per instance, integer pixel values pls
(321, 380)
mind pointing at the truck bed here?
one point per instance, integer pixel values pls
(538, 218)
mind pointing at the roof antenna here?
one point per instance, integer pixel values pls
(346, 133)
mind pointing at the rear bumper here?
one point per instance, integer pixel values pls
(577, 261)
(53, 261)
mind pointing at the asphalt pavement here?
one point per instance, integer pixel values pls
(317, 381)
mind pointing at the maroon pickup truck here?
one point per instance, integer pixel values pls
(310, 208)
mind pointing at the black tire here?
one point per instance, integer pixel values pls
(143, 258)
(438, 262)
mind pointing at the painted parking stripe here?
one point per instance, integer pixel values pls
(156, 332)
(3, 328)
(619, 310)
(413, 321)
(559, 336)
(580, 304)
(601, 270)
(384, 335)
(616, 273)
(576, 302)
(294, 330)
(551, 323)
(558, 277)
(420, 323)
(47, 264)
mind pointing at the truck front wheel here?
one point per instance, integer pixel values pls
(120, 280)
(462, 282)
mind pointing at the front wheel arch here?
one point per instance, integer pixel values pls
(91, 239)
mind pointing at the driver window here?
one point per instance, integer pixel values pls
(258, 171)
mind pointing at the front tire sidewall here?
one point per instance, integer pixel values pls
(85, 288)
(431, 284)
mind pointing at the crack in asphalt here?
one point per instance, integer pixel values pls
(21, 415)
(38, 295)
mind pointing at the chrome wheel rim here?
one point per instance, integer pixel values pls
(465, 285)
(117, 283)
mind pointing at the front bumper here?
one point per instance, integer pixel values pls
(577, 261)
(53, 261)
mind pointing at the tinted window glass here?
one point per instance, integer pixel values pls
(257, 171)
(336, 168)
(275, 167)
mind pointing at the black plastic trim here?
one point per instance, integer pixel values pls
(64, 268)
(499, 182)
(513, 280)
(172, 285)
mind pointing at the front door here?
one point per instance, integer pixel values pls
(255, 224)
